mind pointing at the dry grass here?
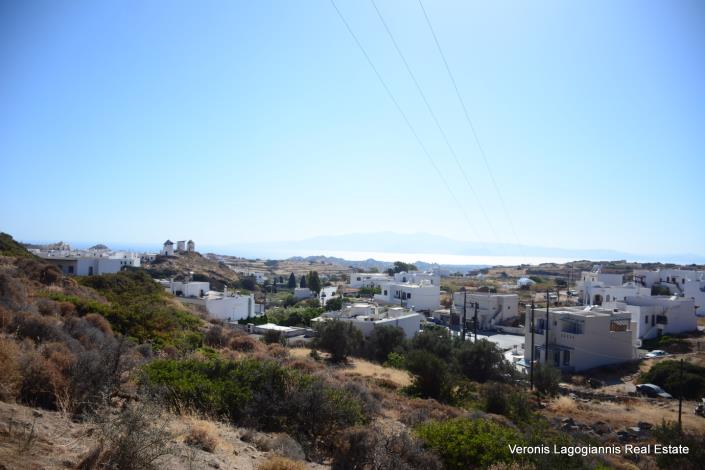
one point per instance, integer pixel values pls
(362, 368)
(281, 463)
(564, 405)
(203, 435)
(626, 413)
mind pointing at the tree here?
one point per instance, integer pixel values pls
(382, 341)
(546, 379)
(314, 282)
(281, 280)
(400, 266)
(248, 283)
(334, 304)
(302, 284)
(434, 339)
(338, 338)
(482, 361)
(292, 281)
(431, 378)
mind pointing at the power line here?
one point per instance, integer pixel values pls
(435, 120)
(469, 121)
(406, 119)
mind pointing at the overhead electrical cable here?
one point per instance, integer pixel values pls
(406, 119)
(451, 149)
(470, 123)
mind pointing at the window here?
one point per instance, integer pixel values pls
(408, 296)
(385, 291)
(566, 358)
(70, 269)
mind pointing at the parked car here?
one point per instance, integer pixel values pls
(656, 353)
(700, 408)
(652, 391)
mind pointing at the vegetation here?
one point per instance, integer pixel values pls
(292, 281)
(667, 374)
(260, 394)
(9, 247)
(333, 305)
(400, 266)
(314, 282)
(338, 338)
(139, 309)
(465, 443)
(547, 379)
(668, 343)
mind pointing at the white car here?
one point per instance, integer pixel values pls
(656, 353)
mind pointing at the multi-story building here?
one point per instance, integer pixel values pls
(580, 338)
(492, 309)
(358, 280)
(366, 317)
(659, 315)
(89, 262)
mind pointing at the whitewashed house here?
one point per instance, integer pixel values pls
(89, 262)
(580, 338)
(358, 280)
(188, 288)
(328, 293)
(230, 307)
(525, 282)
(493, 309)
(424, 296)
(686, 283)
(659, 315)
(591, 282)
(301, 293)
(366, 317)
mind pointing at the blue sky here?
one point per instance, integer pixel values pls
(236, 122)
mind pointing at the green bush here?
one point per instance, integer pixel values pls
(431, 377)
(382, 341)
(260, 394)
(482, 361)
(547, 379)
(667, 374)
(464, 443)
(338, 338)
(139, 308)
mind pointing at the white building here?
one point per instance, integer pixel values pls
(580, 338)
(659, 315)
(366, 317)
(230, 307)
(181, 245)
(687, 283)
(188, 289)
(168, 249)
(592, 281)
(89, 262)
(599, 294)
(358, 280)
(493, 309)
(418, 277)
(327, 293)
(525, 282)
(424, 296)
(190, 246)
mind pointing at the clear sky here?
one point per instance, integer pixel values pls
(229, 122)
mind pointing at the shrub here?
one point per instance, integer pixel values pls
(338, 338)
(463, 443)
(547, 379)
(667, 374)
(669, 434)
(382, 341)
(370, 447)
(281, 463)
(334, 304)
(435, 340)
(200, 435)
(395, 360)
(133, 439)
(431, 377)
(216, 336)
(10, 369)
(273, 337)
(482, 361)
(507, 400)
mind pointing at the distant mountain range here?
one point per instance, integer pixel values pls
(424, 243)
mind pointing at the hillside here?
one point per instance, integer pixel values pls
(203, 268)
(112, 372)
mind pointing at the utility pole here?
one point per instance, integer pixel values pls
(548, 303)
(476, 304)
(680, 398)
(465, 311)
(533, 347)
